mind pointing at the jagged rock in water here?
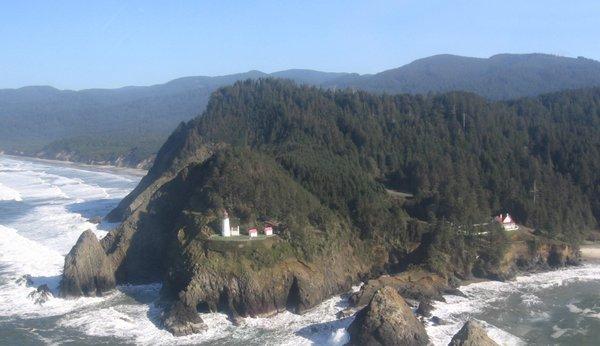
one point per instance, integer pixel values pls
(424, 308)
(87, 270)
(387, 320)
(182, 320)
(25, 280)
(472, 334)
(41, 295)
(437, 321)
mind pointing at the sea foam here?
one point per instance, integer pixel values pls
(8, 194)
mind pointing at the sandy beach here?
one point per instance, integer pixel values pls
(590, 252)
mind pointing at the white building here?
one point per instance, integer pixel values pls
(226, 231)
(253, 232)
(235, 231)
(507, 222)
(268, 230)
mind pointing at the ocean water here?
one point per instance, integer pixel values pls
(45, 206)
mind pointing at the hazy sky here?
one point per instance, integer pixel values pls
(82, 44)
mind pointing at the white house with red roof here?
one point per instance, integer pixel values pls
(507, 222)
(268, 230)
(253, 232)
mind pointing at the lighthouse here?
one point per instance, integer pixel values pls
(226, 232)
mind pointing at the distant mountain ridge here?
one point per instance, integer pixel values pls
(126, 126)
(502, 76)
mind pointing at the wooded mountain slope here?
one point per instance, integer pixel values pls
(334, 171)
(127, 125)
(463, 158)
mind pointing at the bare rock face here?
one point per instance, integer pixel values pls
(414, 284)
(87, 270)
(472, 334)
(387, 320)
(182, 320)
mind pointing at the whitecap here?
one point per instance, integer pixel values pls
(8, 194)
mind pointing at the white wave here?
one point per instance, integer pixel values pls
(531, 299)
(481, 296)
(35, 242)
(23, 256)
(134, 322)
(8, 194)
(20, 256)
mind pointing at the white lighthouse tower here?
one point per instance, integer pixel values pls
(226, 232)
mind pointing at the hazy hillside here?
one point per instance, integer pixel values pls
(502, 76)
(126, 126)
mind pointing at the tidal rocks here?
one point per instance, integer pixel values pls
(41, 295)
(424, 308)
(387, 320)
(472, 334)
(182, 320)
(87, 270)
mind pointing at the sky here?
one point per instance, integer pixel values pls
(107, 44)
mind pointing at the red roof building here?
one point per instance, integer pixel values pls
(507, 222)
(268, 230)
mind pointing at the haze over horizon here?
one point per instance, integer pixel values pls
(71, 45)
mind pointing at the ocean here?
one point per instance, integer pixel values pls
(44, 207)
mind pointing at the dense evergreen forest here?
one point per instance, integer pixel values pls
(463, 158)
(107, 125)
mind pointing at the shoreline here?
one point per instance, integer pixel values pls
(111, 168)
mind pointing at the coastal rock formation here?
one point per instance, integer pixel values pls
(424, 309)
(41, 295)
(87, 269)
(182, 320)
(387, 320)
(526, 253)
(472, 334)
(413, 284)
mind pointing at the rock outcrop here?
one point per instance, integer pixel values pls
(87, 270)
(424, 309)
(182, 320)
(527, 253)
(472, 334)
(415, 284)
(387, 320)
(41, 295)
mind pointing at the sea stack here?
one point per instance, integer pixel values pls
(387, 320)
(87, 269)
(472, 334)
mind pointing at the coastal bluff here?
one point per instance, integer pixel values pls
(321, 164)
